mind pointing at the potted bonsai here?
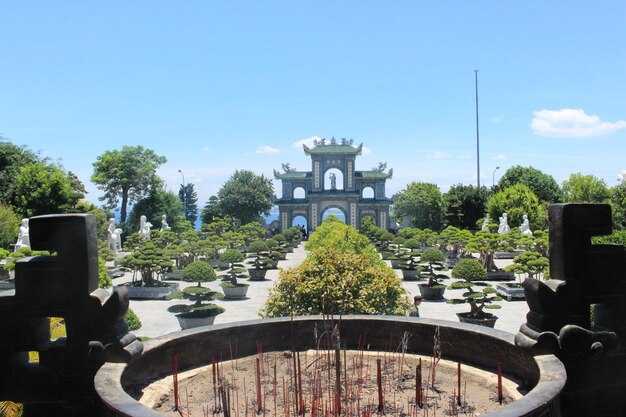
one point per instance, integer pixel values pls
(432, 262)
(197, 314)
(410, 266)
(472, 272)
(233, 289)
(275, 254)
(282, 244)
(398, 249)
(258, 252)
(385, 241)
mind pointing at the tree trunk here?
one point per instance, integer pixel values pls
(124, 204)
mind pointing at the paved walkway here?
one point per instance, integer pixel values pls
(157, 321)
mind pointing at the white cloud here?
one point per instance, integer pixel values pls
(441, 155)
(571, 123)
(308, 142)
(500, 157)
(366, 151)
(267, 150)
(622, 175)
(205, 149)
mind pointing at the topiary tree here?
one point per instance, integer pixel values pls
(516, 201)
(148, 260)
(470, 271)
(199, 272)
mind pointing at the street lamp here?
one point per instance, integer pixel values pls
(493, 177)
(184, 195)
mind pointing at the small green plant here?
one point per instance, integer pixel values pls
(104, 280)
(471, 271)
(531, 263)
(259, 254)
(132, 320)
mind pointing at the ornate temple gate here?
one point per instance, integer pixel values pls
(323, 190)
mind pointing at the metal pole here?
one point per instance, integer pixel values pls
(184, 195)
(477, 136)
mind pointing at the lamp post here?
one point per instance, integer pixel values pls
(493, 177)
(184, 195)
(477, 137)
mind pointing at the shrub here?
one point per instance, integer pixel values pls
(432, 255)
(399, 241)
(257, 246)
(104, 280)
(132, 320)
(469, 269)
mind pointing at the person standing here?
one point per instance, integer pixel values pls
(415, 311)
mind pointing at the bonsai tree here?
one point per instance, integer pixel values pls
(149, 261)
(431, 261)
(233, 258)
(275, 253)
(472, 272)
(259, 253)
(485, 244)
(530, 263)
(199, 272)
(412, 244)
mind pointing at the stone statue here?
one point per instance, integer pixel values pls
(144, 227)
(485, 225)
(525, 227)
(333, 181)
(23, 239)
(164, 225)
(114, 237)
(504, 228)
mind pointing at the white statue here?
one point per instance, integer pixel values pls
(23, 238)
(485, 225)
(333, 181)
(525, 227)
(503, 227)
(144, 227)
(164, 225)
(114, 237)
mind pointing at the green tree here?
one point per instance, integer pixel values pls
(189, 198)
(12, 158)
(465, 205)
(531, 263)
(44, 189)
(211, 210)
(544, 186)
(9, 226)
(245, 196)
(579, 188)
(421, 203)
(158, 203)
(516, 201)
(618, 205)
(127, 174)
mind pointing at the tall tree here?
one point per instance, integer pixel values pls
(516, 201)
(45, 189)
(464, 205)
(9, 226)
(158, 203)
(127, 174)
(579, 188)
(12, 158)
(211, 210)
(421, 203)
(544, 186)
(618, 204)
(189, 198)
(245, 196)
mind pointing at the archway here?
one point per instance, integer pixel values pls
(368, 192)
(299, 192)
(333, 177)
(300, 220)
(334, 211)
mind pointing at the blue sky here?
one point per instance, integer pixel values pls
(216, 86)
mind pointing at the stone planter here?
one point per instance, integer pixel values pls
(151, 293)
(189, 323)
(511, 291)
(7, 284)
(386, 254)
(410, 274)
(500, 276)
(175, 275)
(431, 293)
(257, 274)
(395, 263)
(282, 256)
(235, 293)
(487, 321)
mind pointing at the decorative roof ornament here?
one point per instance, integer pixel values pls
(382, 166)
(287, 168)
